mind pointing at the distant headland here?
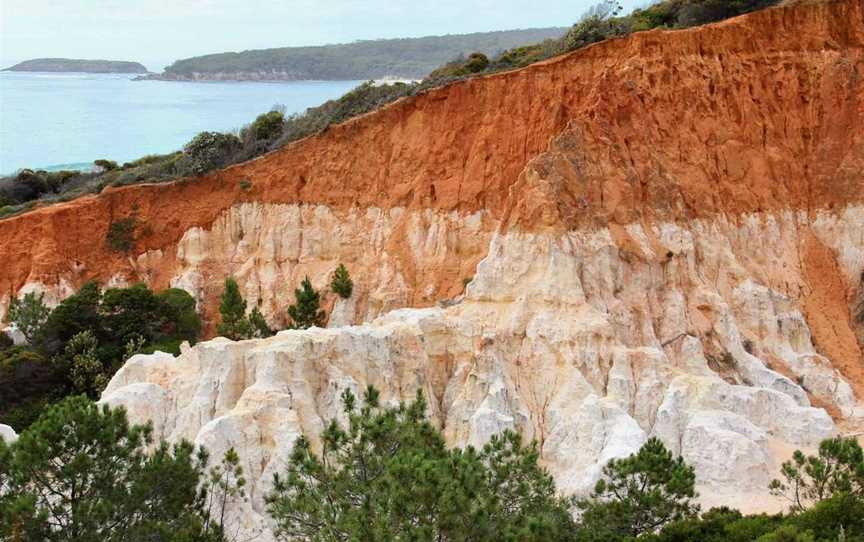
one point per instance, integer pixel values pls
(404, 58)
(77, 65)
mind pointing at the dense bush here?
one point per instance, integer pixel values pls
(81, 472)
(236, 324)
(267, 126)
(78, 346)
(475, 63)
(180, 315)
(210, 150)
(366, 97)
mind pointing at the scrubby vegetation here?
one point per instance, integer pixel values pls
(271, 130)
(121, 234)
(76, 347)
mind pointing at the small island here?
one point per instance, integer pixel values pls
(77, 65)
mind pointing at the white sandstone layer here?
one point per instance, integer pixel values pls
(585, 341)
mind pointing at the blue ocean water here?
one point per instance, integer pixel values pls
(51, 120)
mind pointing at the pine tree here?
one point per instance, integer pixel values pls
(837, 469)
(260, 328)
(305, 311)
(388, 475)
(341, 282)
(83, 472)
(639, 494)
(235, 325)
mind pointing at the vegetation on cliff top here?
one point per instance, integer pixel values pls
(77, 65)
(272, 130)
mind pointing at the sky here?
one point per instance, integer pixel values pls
(157, 32)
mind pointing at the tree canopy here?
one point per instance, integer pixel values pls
(389, 476)
(305, 313)
(82, 473)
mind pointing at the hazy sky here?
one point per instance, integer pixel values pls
(156, 32)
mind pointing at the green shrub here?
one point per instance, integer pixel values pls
(121, 234)
(76, 313)
(260, 327)
(170, 346)
(210, 150)
(28, 380)
(179, 316)
(29, 314)
(87, 370)
(267, 126)
(598, 24)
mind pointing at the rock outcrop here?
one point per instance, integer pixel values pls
(661, 235)
(7, 434)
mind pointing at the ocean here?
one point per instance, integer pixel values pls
(67, 120)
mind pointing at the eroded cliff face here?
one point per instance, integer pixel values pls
(662, 235)
(588, 341)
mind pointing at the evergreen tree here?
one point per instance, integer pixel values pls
(82, 473)
(638, 495)
(260, 327)
(180, 314)
(838, 469)
(305, 313)
(389, 476)
(235, 325)
(29, 315)
(341, 283)
(77, 313)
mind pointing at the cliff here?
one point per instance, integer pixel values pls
(76, 65)
(661, 236)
